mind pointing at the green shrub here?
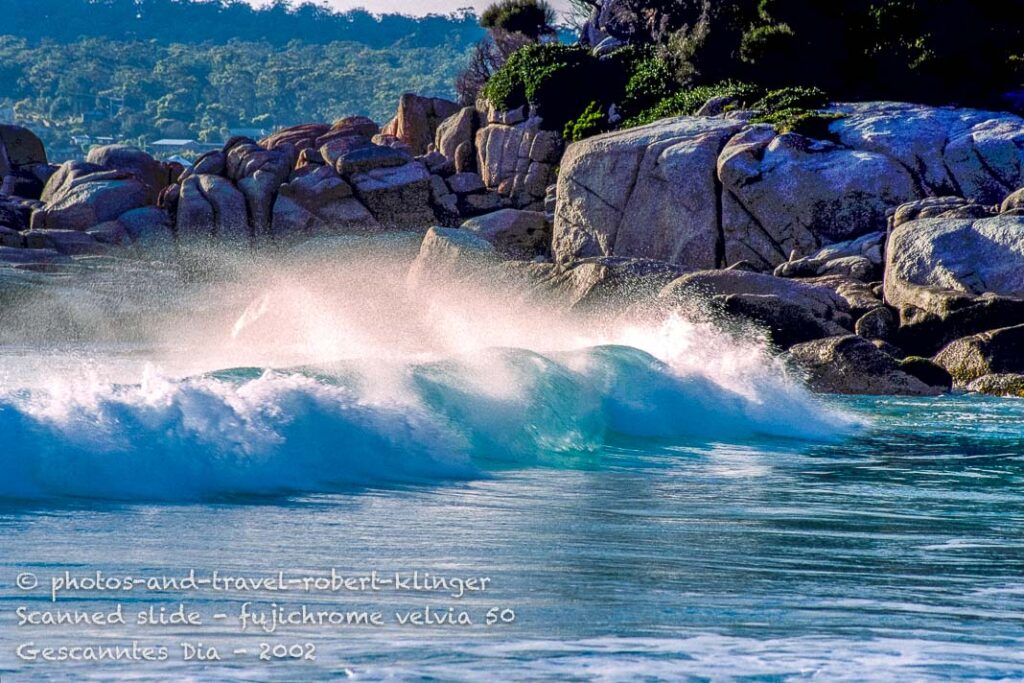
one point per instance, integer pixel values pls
(688, 102)
(792, 98)
(790, 110)
(813, 124)
(557, 81)
(796, 110)
(532, 18)
(650, 81)
(591, 122)
(937, 51)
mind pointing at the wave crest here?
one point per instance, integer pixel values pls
(256, 433)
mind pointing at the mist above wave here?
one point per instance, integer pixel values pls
(358, 379)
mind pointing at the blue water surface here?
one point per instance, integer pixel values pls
(894, 551)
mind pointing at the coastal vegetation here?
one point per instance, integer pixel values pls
(785, 58)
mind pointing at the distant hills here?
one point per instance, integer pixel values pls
(218, 21)
(140, 70)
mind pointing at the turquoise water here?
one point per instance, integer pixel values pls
(893, 552)
(647, 499)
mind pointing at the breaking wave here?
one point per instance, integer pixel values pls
(356, 382)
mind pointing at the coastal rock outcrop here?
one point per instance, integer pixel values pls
(516, 234)
(302, 181)
(320, 203)
(770, 198)
(592, 284)
(786, 194)
(822, 302)
(992, 352)
(853, 365)
(397, 196)
(964, 152)
(155, 175)
(952, 277)
(455, 138)
(211, 206)
(23, 166)
(417, 120)
(645, 192)
(1004, 385)
(448, 256)
(19, 148)
(81, 195)
(518, 161)
(861, 258)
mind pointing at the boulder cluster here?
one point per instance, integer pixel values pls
(885, 259)
(908, 219)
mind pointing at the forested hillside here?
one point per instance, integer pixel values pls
(148, 69)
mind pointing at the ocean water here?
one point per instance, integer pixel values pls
(649, 497)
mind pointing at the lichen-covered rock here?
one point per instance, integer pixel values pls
(965, 152)
(644, 192)
(878, 323)
(951, 278)
(938, 207)
(928, 371)
(515, 234)
(961, 255)
(1005, 385)
(775, 198)
(986, 353)
(853, 365)
(787, 193)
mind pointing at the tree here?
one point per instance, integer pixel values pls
(486, 57)
(534, 19)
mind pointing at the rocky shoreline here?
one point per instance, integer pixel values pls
(885, 259)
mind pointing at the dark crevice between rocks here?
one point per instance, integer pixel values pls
(756, 221)
(719, 218)
(1007, 188)
(957, 189)
(213, 207)
(631, 187)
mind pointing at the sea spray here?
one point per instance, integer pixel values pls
(325, 371)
